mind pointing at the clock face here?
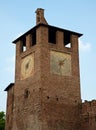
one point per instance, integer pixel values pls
(60, 63)
(27, 66)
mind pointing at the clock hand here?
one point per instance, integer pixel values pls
(27, 65)
(62, 62)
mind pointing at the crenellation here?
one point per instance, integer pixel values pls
(28, 41)
(88, 114)
(89, 104)
(59, 37)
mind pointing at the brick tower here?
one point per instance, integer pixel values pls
(46, 93)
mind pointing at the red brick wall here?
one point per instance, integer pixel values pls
(9, 112)
(88, 116)
(52, 101)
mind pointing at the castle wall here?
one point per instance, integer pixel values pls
(88, 116)
(9, 110)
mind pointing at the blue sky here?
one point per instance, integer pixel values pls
(17, 17)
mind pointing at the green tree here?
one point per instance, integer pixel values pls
(2, 120)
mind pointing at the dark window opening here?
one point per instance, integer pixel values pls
(57, 98)
(86, 118)
(39, 89)
(95, 118)
(52, 35)
(67, 39)
(33, 90)
(47, 97)
(24, 44)
(26, 93)
(34, 38)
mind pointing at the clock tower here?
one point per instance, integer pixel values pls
(46, 92)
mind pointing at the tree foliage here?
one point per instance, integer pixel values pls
(2, 120)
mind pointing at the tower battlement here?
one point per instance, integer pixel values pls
(88, 106)
(88, 115)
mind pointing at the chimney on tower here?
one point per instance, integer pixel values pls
(40, 16)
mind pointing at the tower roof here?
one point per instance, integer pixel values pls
(68, 32)
(41, 21)
(9, 86)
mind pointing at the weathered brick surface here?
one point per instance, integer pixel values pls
(10, 103)
(88, 115)
(48, 101)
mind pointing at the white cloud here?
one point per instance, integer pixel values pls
(84, 46)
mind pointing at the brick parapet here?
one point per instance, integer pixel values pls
(88, 115)
(89, 106)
